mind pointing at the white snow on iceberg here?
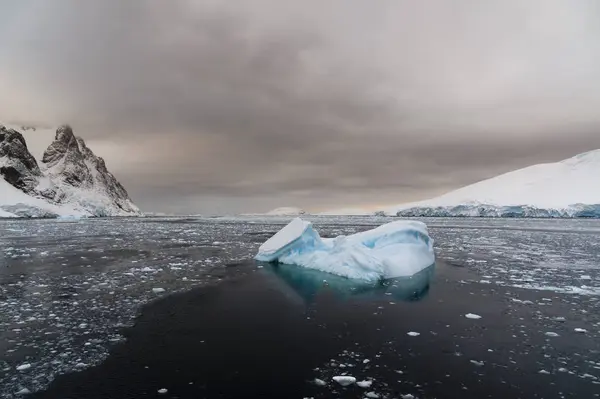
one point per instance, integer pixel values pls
(397, 249)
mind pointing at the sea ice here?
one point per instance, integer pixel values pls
(364, 384)
(344, 380)
(23, 367)
(320, 382)
(472, 316)
(396, 249)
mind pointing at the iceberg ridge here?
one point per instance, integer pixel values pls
(396, 249)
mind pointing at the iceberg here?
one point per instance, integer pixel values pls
(396, 249)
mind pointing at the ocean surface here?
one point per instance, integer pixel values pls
(177, 308)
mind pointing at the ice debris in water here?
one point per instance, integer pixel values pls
(396, 249)
(472, 316)
(477, 363)
(158, 290)
(580, 330)
(552, 334)
(413, 334)
(163, 390)
(344, 380)
(320, 382)
(372, 395)
(23, 367)
(364, 384)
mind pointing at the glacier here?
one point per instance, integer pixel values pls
(563, 189)
(396, 249)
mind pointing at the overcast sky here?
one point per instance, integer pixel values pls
(243, 106)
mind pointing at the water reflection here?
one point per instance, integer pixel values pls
(308, 283)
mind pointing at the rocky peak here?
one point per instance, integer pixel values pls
(64, 159)
(17, 165)
(70, 161)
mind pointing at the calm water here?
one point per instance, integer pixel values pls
(217, 324)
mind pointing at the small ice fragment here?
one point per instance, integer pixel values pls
(413, 334)
(477, 363)
(163, 390)
(559, 318)
(580, 330)
(472, 316)
(320, 382)
(399, 371)
(543, 372)
(23, 391)
(372, 395)
(585, 277)
(364, 384)
(24, 366)
(407, 396)
(147, 269)
(551, 334)
(344, 380)
(366, 361)
(563, 370)
(158, 290)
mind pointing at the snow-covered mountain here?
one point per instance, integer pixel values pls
(286, 211)
(70, 180)
(563, 189)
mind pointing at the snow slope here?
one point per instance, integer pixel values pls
(15, 203)
(563, 189)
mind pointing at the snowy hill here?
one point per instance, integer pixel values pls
(70, 180)
(286, 211)
(563, 189)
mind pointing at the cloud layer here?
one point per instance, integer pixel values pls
(211, 106)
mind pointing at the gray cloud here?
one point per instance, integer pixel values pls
(221, 106)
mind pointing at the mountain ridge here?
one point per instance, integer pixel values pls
(69, 180)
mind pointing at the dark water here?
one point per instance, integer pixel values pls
(232, 328)
(269, 334)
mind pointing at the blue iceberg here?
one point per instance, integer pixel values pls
(396, 249)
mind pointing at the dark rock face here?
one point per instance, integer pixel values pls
(17, 165)
(66, 158)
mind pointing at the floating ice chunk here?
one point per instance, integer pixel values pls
(158, 290)
(23, 391)
(580, 330)
(364, 384)
(320, 382)
(23, 367)
(396, 249)
(372, 395)
(163, 390)
(477, 363)
(544, 372)
(551, 334)
(344, 380)
(413, 334)
(472, 316)
(407, 396)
